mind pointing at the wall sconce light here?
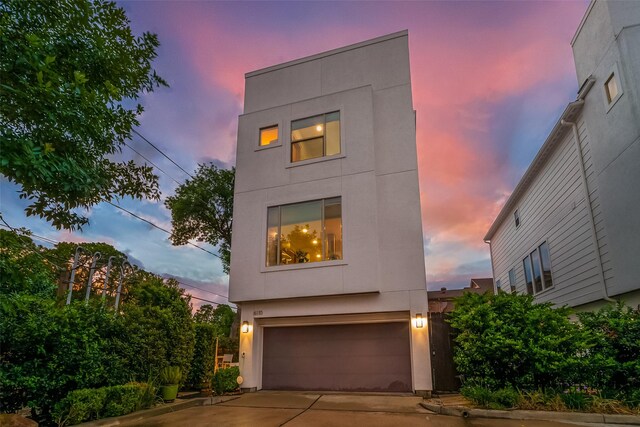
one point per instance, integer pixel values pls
(419, 320)
(245, 327)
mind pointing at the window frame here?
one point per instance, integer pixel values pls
(308, 113)
(528, 258)
(278, 141)
(613, 72)
(516, 218)
(265, 125)
(296, 266)
(512, 279)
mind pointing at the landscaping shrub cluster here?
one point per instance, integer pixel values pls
(513, 352)
(48, 349)
(95, 403)
(225, 380)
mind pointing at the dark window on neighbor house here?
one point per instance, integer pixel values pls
(545, 260)
(537, 270)
(512, 280)
(317, 136)
(537, 274)
(528, 278)
(516, 217)
(498, 284)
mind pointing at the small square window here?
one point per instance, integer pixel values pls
(611, 88)
(516, 218)
(269, 135)
(498, 284)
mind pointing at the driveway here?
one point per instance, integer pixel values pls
(296, 409)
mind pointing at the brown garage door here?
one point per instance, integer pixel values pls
(359, 357)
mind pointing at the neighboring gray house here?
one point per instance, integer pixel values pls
(327, 264)
(570, 232)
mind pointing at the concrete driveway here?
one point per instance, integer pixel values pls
(271, 408)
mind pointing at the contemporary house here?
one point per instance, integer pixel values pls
(570, 231)
(327, 263)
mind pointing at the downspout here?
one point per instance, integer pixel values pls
(493, 270)
(583, 174)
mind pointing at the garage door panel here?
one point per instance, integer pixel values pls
(358, 357)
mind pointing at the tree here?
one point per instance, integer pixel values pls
(202, 209)
(68, 70)
(221, 317)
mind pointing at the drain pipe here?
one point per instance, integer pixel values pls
(583, 174)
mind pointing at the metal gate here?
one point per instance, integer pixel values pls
(441, 341)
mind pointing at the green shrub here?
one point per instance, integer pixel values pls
(506, 397)
(80, 405)
(170, 375)
(575, 400)
(507, 340)
(204, 357)
(225, 380)
(92, 404)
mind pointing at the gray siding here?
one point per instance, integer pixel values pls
(554, 209)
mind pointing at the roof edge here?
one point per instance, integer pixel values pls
(398, 34)
(533, 169)
(582, 21)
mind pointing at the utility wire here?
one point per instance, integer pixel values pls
(161, 152)
(26, 247)
(152, 164)
(159, 228)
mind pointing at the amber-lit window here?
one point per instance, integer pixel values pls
(316, 136)
(268, 135)
(304, 232)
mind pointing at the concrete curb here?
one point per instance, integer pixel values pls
(177, 405)
(517, 414)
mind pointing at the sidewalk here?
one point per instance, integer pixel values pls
(458, 405)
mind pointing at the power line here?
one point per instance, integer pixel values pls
(161, 152)
(153, 164)
(26, 247)
(160, 228)
(204, 290)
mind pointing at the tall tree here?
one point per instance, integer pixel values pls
(202, 209)
(69, 69)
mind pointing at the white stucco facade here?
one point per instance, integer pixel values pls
(380, 277)
(581, 194)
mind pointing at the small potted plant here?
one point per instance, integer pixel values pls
(170, 378)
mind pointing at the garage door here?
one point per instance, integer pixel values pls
(359, 357)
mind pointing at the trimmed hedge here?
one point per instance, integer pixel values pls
(95, 403)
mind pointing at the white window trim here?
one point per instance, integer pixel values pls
(287, 137)
(544, 290)
(306, 265)
(616, 72)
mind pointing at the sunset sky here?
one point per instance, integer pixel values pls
(489, 81)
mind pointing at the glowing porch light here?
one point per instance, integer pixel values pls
(245, 327)
(419, 320)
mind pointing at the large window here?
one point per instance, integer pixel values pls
(316, 136)
(304, 232)
(537, 269)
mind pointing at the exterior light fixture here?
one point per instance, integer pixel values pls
(419, 320)
(245, 327)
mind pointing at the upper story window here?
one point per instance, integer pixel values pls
(269, 135)
(304, 232)
(611, 88)
(317, 136)
(516, 218)
(537, 270)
